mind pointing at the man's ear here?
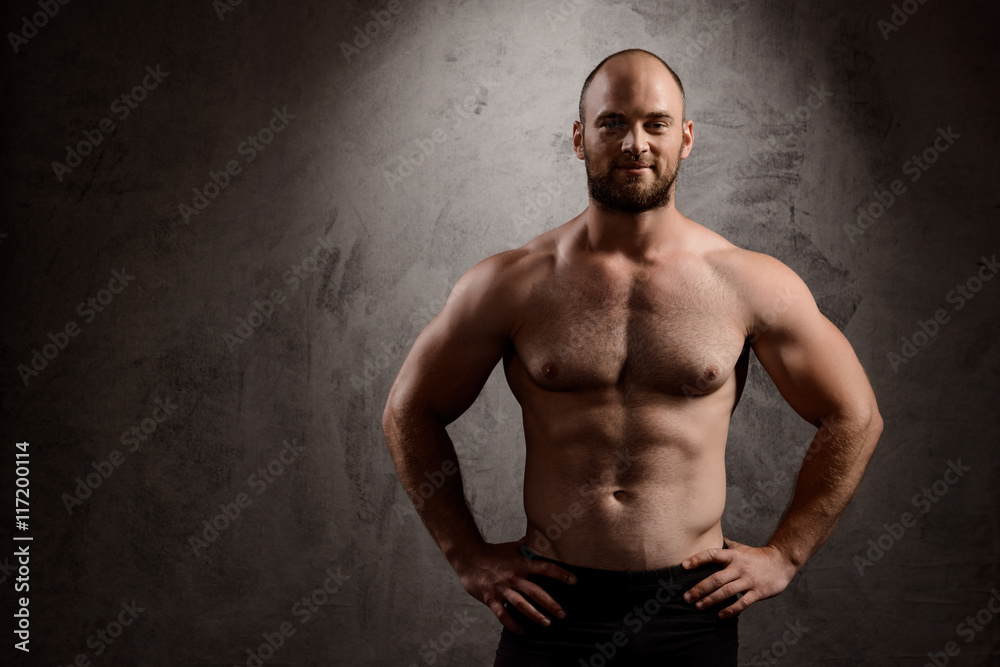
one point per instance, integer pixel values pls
(688, 139)
(578, 138)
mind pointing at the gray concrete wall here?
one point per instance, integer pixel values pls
(248, 355)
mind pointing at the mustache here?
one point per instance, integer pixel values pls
(634, 163)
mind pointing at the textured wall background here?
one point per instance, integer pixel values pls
(361, 248)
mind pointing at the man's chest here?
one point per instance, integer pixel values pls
(675, 332)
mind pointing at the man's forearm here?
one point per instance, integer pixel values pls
(429, 471)
(831, 472)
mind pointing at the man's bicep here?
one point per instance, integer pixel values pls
(810, 361)
(455, 354)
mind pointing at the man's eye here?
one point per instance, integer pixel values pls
(610, 123)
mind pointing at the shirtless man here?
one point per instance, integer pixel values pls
(625, 336)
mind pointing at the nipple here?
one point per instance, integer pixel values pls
(550, 370)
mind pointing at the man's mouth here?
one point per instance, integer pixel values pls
(634, 166)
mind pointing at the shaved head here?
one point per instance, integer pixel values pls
(632, 135)
(632, 52)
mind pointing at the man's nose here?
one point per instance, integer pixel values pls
(635, 141)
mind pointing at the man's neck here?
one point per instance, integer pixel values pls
(632, 235)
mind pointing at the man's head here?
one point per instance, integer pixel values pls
(634, 52)
(632, 133)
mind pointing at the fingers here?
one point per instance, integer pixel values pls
(505, 618)
(708, 556)
(740, 605)
(538, 594)
(533, 590)
(719, 582)
(510, 588)
(722, 593)
(526, 608)
(548, 569)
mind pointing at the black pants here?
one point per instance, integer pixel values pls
(618, 618)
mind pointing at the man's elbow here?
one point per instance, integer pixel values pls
(872, 431)
(872, 418)
(857, 418)
(403, 411)
(388, 417)
(395, 405)
(866, 420)
(875, 423)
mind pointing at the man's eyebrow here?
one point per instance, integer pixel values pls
(618, 114)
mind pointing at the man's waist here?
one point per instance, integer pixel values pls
(670, 576)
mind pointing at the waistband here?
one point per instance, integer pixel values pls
(618, 578)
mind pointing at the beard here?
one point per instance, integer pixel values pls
(631, 194)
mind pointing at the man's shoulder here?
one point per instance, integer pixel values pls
(768, 288)
(747, 268)
(517, 265)
(506, 276)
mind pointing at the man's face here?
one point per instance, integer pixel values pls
(634, 137)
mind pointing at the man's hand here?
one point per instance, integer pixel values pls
(758, 573)
(498, 573)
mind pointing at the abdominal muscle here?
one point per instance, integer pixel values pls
(624, 484)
